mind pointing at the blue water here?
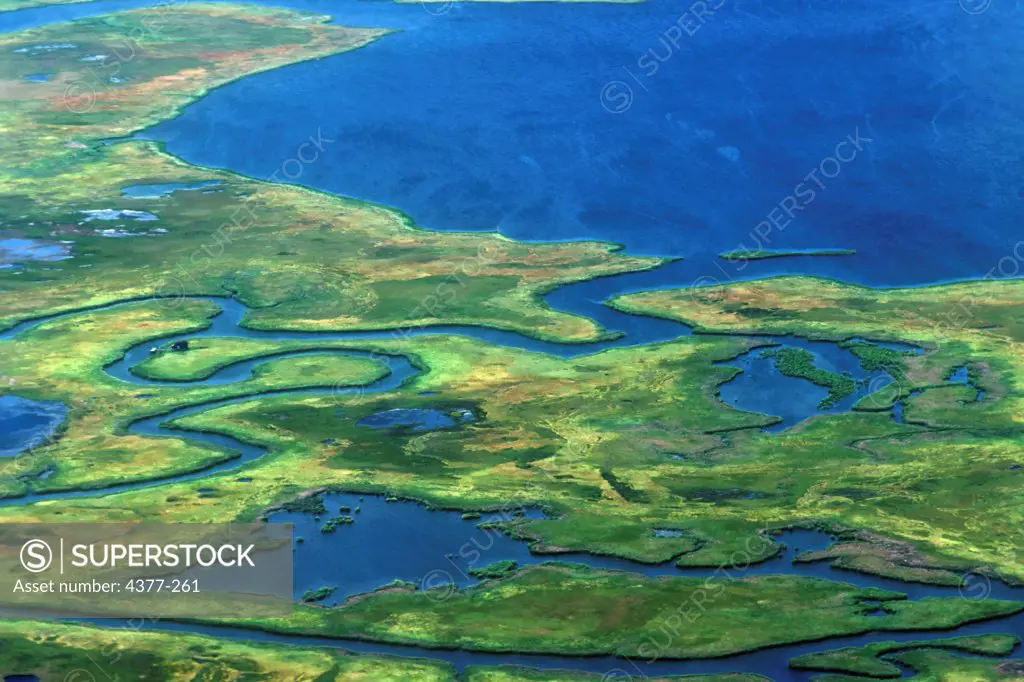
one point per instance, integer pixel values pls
(435, 550)
(14, 250)
(162, 190)
(404, 540)
(25, 423)
(454, 545)
(760, 387)
(416, 419)
(725, 129)
(959, 375)
(747, 391)
(396, 540)
(710, 145)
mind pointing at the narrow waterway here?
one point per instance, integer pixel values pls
(751, 391)
(444, 535)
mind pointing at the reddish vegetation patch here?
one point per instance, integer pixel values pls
(623, 608)
(355, 599)
(1011, 668)
(871, 552)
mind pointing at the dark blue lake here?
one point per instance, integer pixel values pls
(497, 117)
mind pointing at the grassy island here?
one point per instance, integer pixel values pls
(764, 254)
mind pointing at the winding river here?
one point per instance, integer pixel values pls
(636, 330)
(757, 395)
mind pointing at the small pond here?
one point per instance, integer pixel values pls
(962, 376)
(14, 250)
(418, 419)
(162, 190)
(958, 376)
(762, 388)
(25, 423)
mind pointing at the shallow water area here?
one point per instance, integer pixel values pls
(417, 419)
(702, 151)
(761, 387)
(25, 424)
(457, 545)
(396, 540)
(444, 546)
(159, 191)
(17, 250)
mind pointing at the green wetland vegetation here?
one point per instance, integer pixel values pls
(868, 661)
(628, 451)
(575, 610)
(797, 362)
(762, 254)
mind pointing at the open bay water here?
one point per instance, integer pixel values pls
(496, 116)
(482, 116)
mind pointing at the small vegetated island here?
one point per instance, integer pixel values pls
(626, 457)
(764, 254)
